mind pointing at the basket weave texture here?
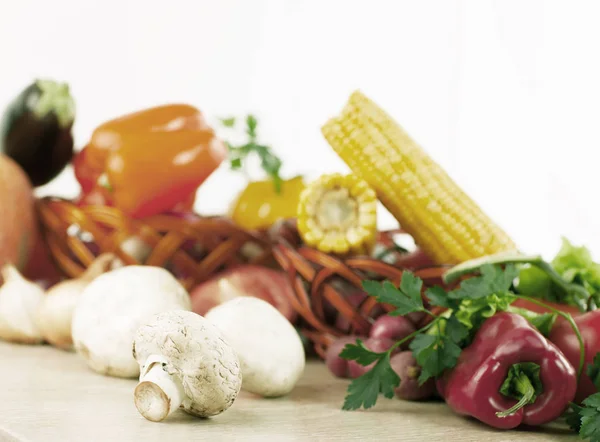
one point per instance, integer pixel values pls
(196, 248)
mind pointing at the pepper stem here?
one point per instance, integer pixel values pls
(526, 388)
(522, 383)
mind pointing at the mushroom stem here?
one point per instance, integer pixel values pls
(159, 393)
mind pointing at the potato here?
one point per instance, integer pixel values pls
(378, 345)
(337, 365)
(405, 366)
(392, 327)
(247, 280)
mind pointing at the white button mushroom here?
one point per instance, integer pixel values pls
(112, 307)
(184, 362)
(269, 348)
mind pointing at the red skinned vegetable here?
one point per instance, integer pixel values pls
(509, 358)
(261, 282)
(563, 336)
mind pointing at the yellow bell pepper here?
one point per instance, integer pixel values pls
(259, 205)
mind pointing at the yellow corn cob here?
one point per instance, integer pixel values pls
(338, 214)
(442, 219)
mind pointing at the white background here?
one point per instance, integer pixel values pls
(504, 94)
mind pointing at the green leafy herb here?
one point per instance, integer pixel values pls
(363, 391)
(270, 163)
(585, 419)
(359, 353)
(590, 418)
(434, 354)
(573, 417)
(406, 298)
(491, 281)
(228, 122)
(456, 331)
(438, 296)
(438, 345)
(544, 322)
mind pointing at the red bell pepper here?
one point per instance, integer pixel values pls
(509, 375)
(563, 336)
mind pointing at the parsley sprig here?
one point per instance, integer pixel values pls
(438, 345)
(585, 418)
(270, 163)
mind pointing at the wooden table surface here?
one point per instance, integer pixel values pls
(49, 395)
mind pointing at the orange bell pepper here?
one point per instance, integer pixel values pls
(151, 161)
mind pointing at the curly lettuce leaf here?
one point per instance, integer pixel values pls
(575, 264)
(473, 312)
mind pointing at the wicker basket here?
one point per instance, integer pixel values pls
(321, 281)
(192, 248)
(195, 249)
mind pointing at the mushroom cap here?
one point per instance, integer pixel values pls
(269, 348)
(205, 363)
(112, 307)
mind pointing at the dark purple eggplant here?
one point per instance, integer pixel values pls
(35, 130)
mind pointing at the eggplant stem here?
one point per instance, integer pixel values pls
(55, 98)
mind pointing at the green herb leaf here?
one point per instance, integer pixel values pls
(236, 163)
(270, 163)
(590, 418)
(493, 279)
(593, 371)
(434, 354)
(544, 322)
(363, 391)
(573, 417)
(251, 123)
(228, 122)
(359, 353)
(406, 299)
(411, 285)
(592, 401)
(456, 331)
(438, 296)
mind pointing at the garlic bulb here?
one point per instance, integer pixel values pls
(55, 312)
(19, 300)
